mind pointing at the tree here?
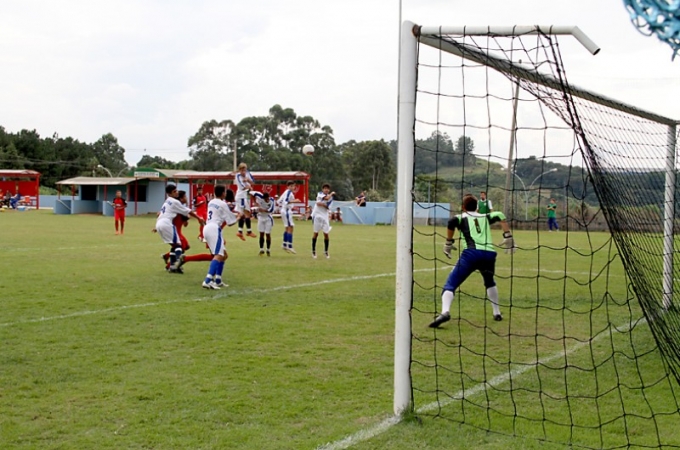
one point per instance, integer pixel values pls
(463, 151)
(10, 158)
(370, 166)
(109, 153)
(211, 148)
(156, 162)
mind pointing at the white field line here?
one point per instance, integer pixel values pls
(78, 248)
(225, 294)
(361, 435)
(369, 433)
(222, 294)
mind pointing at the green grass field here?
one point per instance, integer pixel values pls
(101, 348)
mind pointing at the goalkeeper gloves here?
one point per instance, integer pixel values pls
(448, 247)
(508, 242)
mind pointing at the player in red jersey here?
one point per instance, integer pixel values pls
(201, 207)
(179, 222)
(119, 205)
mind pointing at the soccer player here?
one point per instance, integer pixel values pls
(265, 221)
(552, 216)
(484, 206)
(244, 183)
(478, 254)
(165, 228)
(219, 214)
(119, 204)
(179, 222)
(201, 207)
(287, 199)
(320, 218)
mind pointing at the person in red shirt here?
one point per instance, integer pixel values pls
(119, 204)
(179, 222)
(201, 207)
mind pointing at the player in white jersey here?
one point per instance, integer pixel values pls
(324, 199)
(244, 183)
(166, 229)
(219, 214)
(265, 221)
(286, 201)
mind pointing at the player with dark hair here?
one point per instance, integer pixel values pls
(219, 214)
(478, 254)
(179, 222)
(265, 221)
(201, 207)
(244, 183)
(320, 219)
(119, 204)
(286, 201)
(552, 216)
(165, 228)
(484, 206)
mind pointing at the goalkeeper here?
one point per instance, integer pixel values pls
(478, 254)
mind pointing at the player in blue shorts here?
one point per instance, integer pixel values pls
(286, 202)
(478, 254)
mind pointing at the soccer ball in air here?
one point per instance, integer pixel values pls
(308, 150)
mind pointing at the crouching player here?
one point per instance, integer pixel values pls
(320, 218)
(219, 213)
(478, 254)
(167, 231)
(265, 221)
(179, 222)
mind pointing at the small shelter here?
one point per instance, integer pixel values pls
(89, 195)
(25, 182)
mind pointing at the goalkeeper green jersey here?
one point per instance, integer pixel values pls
(475, 229)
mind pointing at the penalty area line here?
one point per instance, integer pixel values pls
(383, 426)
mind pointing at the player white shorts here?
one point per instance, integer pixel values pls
(243, 204)
(213, 237)
(321, 223)
(166, 230)
(265, 223)
(287, 217)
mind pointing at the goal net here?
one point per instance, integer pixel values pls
(588, 349)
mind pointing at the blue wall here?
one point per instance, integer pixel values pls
(384, 213)
(155, 196)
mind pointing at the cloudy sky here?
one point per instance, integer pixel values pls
(151, 71)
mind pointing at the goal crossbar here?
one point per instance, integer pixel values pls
(516, 70)
(517, 30)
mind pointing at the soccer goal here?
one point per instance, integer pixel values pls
(588, 351)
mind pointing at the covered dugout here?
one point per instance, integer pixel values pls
(89, 195)
(272, 182)
(25, 182)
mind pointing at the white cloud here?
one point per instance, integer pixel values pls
(151, 72)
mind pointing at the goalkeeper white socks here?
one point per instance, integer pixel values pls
(447, 299)
(492, 293)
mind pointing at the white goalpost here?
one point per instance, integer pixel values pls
(523, 75)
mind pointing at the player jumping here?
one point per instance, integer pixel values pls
(244, 183)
